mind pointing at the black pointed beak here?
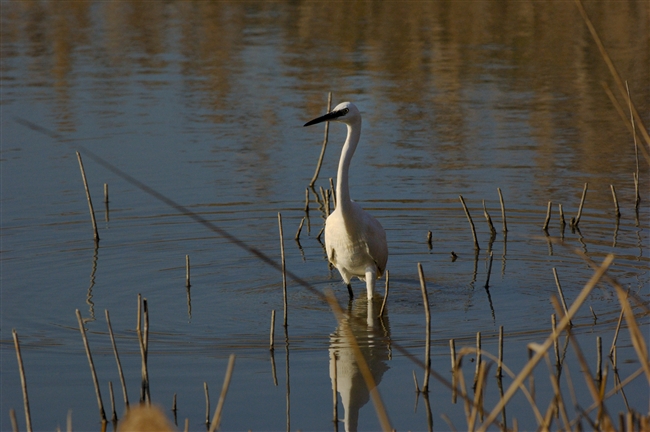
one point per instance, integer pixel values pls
(327, 117)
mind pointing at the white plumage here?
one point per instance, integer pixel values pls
(355, 241)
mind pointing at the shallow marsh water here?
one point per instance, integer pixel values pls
(205, 102)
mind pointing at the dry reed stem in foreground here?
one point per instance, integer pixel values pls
(90, 201)
(302, 222)
(216, 419)
(361, 362)
(322, 151)
(564, 324)
(23, 383)
(559, 288)
(100, 404)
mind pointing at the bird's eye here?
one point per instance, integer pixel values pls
(344, 111)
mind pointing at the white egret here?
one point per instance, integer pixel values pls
(354, 240)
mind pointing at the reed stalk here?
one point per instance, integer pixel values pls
(471, 223)
(105, 193)
(23, 383)
(302, 222)
(582, 202)
(117, 359)
(112, 396)
(503, 211)
(500, 362)
(272, 334)
(100, 404)
(335, 398)
(322, 151)
(90, 201)
(284, 270)
(207, 403)
(616, 207)
(216, 419)
(14, 420)
(187, 271)
(559, 288)
(548, 217)
(383, 303)
(427, 314)
(488, 219)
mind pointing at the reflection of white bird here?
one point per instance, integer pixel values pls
(355, 241)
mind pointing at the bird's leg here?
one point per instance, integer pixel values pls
(371, 277)
(350, 291)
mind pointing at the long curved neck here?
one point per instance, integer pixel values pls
(342, 187)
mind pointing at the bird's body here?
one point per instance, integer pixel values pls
(354, 240)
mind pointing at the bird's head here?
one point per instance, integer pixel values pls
(345, 112)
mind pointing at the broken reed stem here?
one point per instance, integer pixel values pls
(143, 342)
(500, 362)
(582, 202)
(471, 223)
(187, 271)
(100, 404)
(174, 409)
(548, 217)
(562, 222)
(272, 335)
(106, 193)
(383, 303)
(488, 219)
(503, 210)
(559, 288)
(616, 207)
(322, 151)
(284, 270)
(207, 403)
(429, 239)
(302, 222)
(90, 202)
(541, 351)
(110, 392)
(216, 419)
(23, 382)
(139, 325)
(427, 314)
(117, 359)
